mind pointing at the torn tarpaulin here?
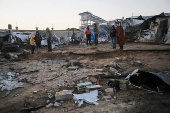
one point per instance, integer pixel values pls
(149, 80)
(89, 98)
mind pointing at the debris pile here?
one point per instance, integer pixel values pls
(7, 82)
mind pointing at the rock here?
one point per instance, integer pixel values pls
(106, 98)
(136, 63)
(50, 95)
(93, 79)
(73, 68)
(109, 91)
(100, 73)
(3, 60)
(48, 101)
(54, 74)
(113, 70)
(123, 84)
(34, 92)
(115, 65)
(92, 74)
(70, 108)
(56, 104)
(49, 105)
(99, 70)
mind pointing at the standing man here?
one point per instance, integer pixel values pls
(88, 35)
(48, 36)
(96, 32)
(113, 36)
(120, 37)
(38, 40)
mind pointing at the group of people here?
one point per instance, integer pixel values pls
(37, 39)
(116, 34)
(88, 34)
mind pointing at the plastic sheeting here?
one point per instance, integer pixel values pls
(164, 77)
(89, 98)
(92, 34)
(7, 83)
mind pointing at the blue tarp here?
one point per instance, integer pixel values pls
(92, 34)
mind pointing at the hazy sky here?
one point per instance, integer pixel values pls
(64, 13)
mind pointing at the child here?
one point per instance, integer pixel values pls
(88, 35)
(32, 44)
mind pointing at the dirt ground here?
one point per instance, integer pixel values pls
(41, 70)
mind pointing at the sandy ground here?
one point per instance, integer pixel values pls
(41, 69)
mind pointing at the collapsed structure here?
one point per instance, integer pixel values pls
(148, 28)
(88, 19)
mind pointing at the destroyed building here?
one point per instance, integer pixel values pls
(8, 42)
(148, 28)
(88, 19)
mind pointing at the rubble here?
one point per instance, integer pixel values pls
(114, 65)
(82, 86)
(89, 98)
(123, 84)
(56, 104)
(72, 67)
(99, 70)
(63, 95)
(7, 84)
(49, 105)
(113, 70)
(106, 98)
(93, 87)
(109, 91)
(142, 32)
(149, 80)
(93, 79)
(136, 62)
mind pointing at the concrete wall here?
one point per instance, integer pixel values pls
(63, 33)
(58, 33)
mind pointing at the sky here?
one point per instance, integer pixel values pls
(63, 14)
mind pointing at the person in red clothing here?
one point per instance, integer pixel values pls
(120, 37)
(88, 35)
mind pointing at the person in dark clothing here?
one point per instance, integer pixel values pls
(88, 35)
(96, 32)
(38, 40)
(48, 36)
(113, 36)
